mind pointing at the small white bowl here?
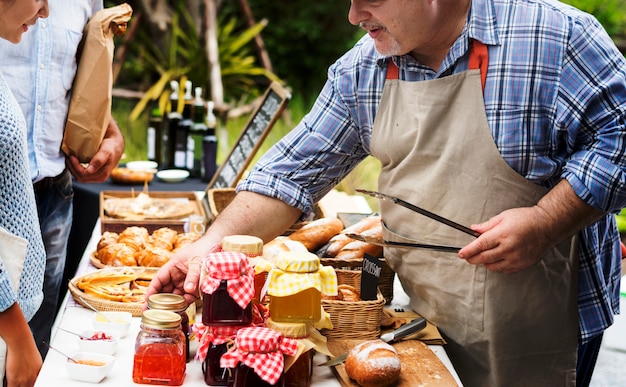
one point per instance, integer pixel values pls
(118, 321)
(99, 341)
(172, 175)
(90, 373)
(143, 165)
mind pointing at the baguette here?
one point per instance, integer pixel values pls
(315, 234)
(337, 242)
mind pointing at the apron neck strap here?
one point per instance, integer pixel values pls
(479, 59)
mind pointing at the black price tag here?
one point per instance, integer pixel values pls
(370, 274)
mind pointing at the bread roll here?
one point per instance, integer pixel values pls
(315, 234)
(272, 248)
(373, 363)
(122, 175)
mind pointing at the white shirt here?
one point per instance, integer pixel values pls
(40, 71)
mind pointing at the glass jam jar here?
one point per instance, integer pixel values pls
(252, 247)
(296, 286)
(258, 357)
(227, 288)
(300, 371)
(219, 338)
(174, 303)
(160, 349)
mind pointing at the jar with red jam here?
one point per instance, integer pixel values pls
(253, 248)
(296, 286)
(298, 368)
(258, 357)
(174, 303)
(160, 350)
(215, 342)
(227, 288)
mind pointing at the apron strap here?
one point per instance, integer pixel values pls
(479, 59)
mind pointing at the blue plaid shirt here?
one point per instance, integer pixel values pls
(555, 98)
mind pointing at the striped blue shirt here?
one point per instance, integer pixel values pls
(555, 98)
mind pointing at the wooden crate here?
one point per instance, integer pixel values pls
(108, 223)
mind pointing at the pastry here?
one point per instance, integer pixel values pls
(153, 256)
(373, 363)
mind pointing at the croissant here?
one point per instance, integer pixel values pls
(134, 237)
(153, 256)
(118, 254)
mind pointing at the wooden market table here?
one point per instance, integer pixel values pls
(75, 318)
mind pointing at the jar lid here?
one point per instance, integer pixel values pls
(298, 261)
(288, 329)
(258, 339)
(247, 244)
(167, 301)
(226, 264)
(160, 319)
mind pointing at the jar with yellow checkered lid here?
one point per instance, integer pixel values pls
(295, 287)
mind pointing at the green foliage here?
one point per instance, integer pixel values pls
(610, 13)
(184, 57)
(303, 38)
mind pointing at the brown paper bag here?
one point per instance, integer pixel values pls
(90, 104)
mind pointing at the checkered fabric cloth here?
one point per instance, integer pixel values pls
(297, 272)
(235, 269)
(262, 349)
(208, 335)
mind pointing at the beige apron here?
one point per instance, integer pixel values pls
(437, 152)
(12, 254)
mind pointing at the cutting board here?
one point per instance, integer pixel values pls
(420, 365)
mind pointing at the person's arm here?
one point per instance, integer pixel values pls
(23, 360)
(519, 237)
(103, 162)
(248, 214)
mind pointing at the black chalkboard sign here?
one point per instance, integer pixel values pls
(257, 128)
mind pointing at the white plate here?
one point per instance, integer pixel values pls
(172, 175)
(143, 165)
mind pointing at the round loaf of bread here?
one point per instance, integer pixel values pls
(373, 363)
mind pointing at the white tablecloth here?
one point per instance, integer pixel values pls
(75, 318)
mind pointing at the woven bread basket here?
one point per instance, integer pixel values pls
(385, 281)
(86, 300)
(353, 319)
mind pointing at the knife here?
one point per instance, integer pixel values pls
(419, 210)
(390, 337)
(384, 243)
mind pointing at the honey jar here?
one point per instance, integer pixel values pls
(258, 357)
(227, 288)
(160, 349)
(296, 286)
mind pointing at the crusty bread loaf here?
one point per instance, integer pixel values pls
(373, 363)
(122, 175)
(315, 234)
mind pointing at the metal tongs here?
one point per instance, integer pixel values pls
(419, 210)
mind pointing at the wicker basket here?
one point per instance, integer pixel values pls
(219, 198)
(87, 300)
(385, 282)
(353, 319)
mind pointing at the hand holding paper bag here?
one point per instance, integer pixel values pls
(90, 105)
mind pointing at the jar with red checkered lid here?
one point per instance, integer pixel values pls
(258, 357)
(227, 288)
